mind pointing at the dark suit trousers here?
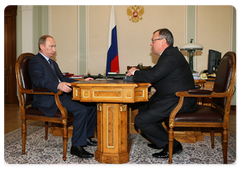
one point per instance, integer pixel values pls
(84, 122)
(150, 117)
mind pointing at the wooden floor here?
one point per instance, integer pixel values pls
(12, 118)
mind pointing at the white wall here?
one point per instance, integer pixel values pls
(63, 26)
(214, 31)
(133, 38)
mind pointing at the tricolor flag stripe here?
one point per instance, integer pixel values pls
(112, 55)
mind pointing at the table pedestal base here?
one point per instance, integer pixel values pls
(113, 144)
(111, 158)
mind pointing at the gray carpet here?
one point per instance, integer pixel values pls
(41, 151)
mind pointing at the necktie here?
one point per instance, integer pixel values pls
(54, 71)
(51, 64)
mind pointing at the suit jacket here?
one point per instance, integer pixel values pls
(171, 74)
(42, 76)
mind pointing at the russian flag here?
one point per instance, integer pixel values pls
(112, 55)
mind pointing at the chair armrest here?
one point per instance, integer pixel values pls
(44, 91)
(201, 93)
(60, 106)
(41, 90)
(36, 91)
(192, 93)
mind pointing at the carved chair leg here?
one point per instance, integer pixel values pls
(225, 145)
(46, 130)
(170, 145)
(23, 136)
(65, 137)
(212, 138)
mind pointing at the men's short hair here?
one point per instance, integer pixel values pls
(42, 40)
(165, 33)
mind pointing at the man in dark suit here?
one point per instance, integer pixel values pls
(45, 73)
(171, 74)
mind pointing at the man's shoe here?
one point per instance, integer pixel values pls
(165, 153)
(80, 152)
(90, 142)
(153, 146)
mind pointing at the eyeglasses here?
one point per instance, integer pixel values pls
(156, 39)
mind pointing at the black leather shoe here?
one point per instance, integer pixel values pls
(80, 152)
(165, 153)
(90, 142)
(153, 146)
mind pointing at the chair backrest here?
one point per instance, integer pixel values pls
(23, 77)
(225, 79)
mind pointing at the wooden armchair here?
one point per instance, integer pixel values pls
(214, 116)
(30, 113)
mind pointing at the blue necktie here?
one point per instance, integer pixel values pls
(54, 71)
(51, 64)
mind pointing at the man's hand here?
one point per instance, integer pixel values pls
(65, 87)
(131, 71)
(87, 79)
